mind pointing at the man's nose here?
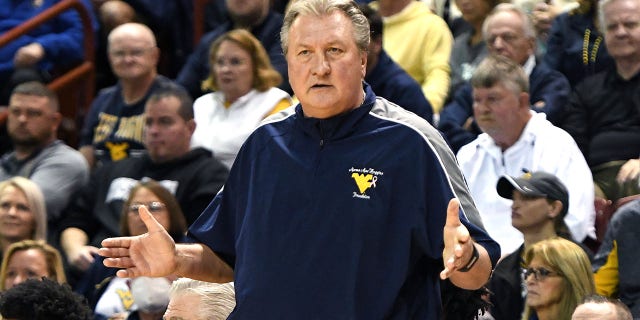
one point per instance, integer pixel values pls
(321, 65)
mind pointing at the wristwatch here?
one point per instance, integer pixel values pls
(474, 258)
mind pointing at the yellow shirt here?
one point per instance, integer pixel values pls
(420, 42)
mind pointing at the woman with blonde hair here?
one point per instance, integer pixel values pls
(30, 259)
(22, 212)
(245, 93)
(558, 277)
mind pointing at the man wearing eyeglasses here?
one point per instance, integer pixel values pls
(113, 128)
(509, 33)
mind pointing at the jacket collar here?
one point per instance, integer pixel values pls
(337, 126)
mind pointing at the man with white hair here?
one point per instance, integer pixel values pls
(341, 206)
(200, 300)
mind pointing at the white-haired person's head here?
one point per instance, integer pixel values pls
(199, 300)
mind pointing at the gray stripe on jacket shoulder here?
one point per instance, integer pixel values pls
(387, 110)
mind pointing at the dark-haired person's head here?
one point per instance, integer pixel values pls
(168, 124)
(43, 299)
(33, 119)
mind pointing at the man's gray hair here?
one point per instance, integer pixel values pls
(601, 18)
(527, 27)
(622, 310)
(496, 69)
(321, 8)
(217, 300)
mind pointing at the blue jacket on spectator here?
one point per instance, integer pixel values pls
(545, 85)
(61, 37)
(387, 79)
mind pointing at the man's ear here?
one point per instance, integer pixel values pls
(56, 119)
(191, 125)
(523, 99)
(363, 63)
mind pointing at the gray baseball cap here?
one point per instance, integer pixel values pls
(535, 184)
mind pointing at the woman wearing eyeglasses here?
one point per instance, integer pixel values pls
(245, 83)
(540, 204)
(558, 277)
(115, 298)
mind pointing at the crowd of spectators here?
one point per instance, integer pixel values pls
(539, 101)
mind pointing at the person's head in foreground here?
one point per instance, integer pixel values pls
(558, 277)
(43, 299)
(596, 307)
(199, 300)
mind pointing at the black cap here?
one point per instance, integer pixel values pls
(535, 184)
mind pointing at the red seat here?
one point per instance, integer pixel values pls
(605, 209)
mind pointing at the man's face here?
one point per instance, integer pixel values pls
(247, 12)
(496, 109)
(31, 121)
(505, 37)
(166, 134)
(132, 55)
(326, 67)
(622, 29)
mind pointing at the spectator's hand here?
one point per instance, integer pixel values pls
(458, 246)
(542, 16)
(83, 257)
(152, 254)
(629, 171)
(28, 55)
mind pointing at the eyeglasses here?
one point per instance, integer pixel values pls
(135, 53)
(153, 207)
(540, 274)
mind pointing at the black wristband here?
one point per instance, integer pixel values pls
(475, 255)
